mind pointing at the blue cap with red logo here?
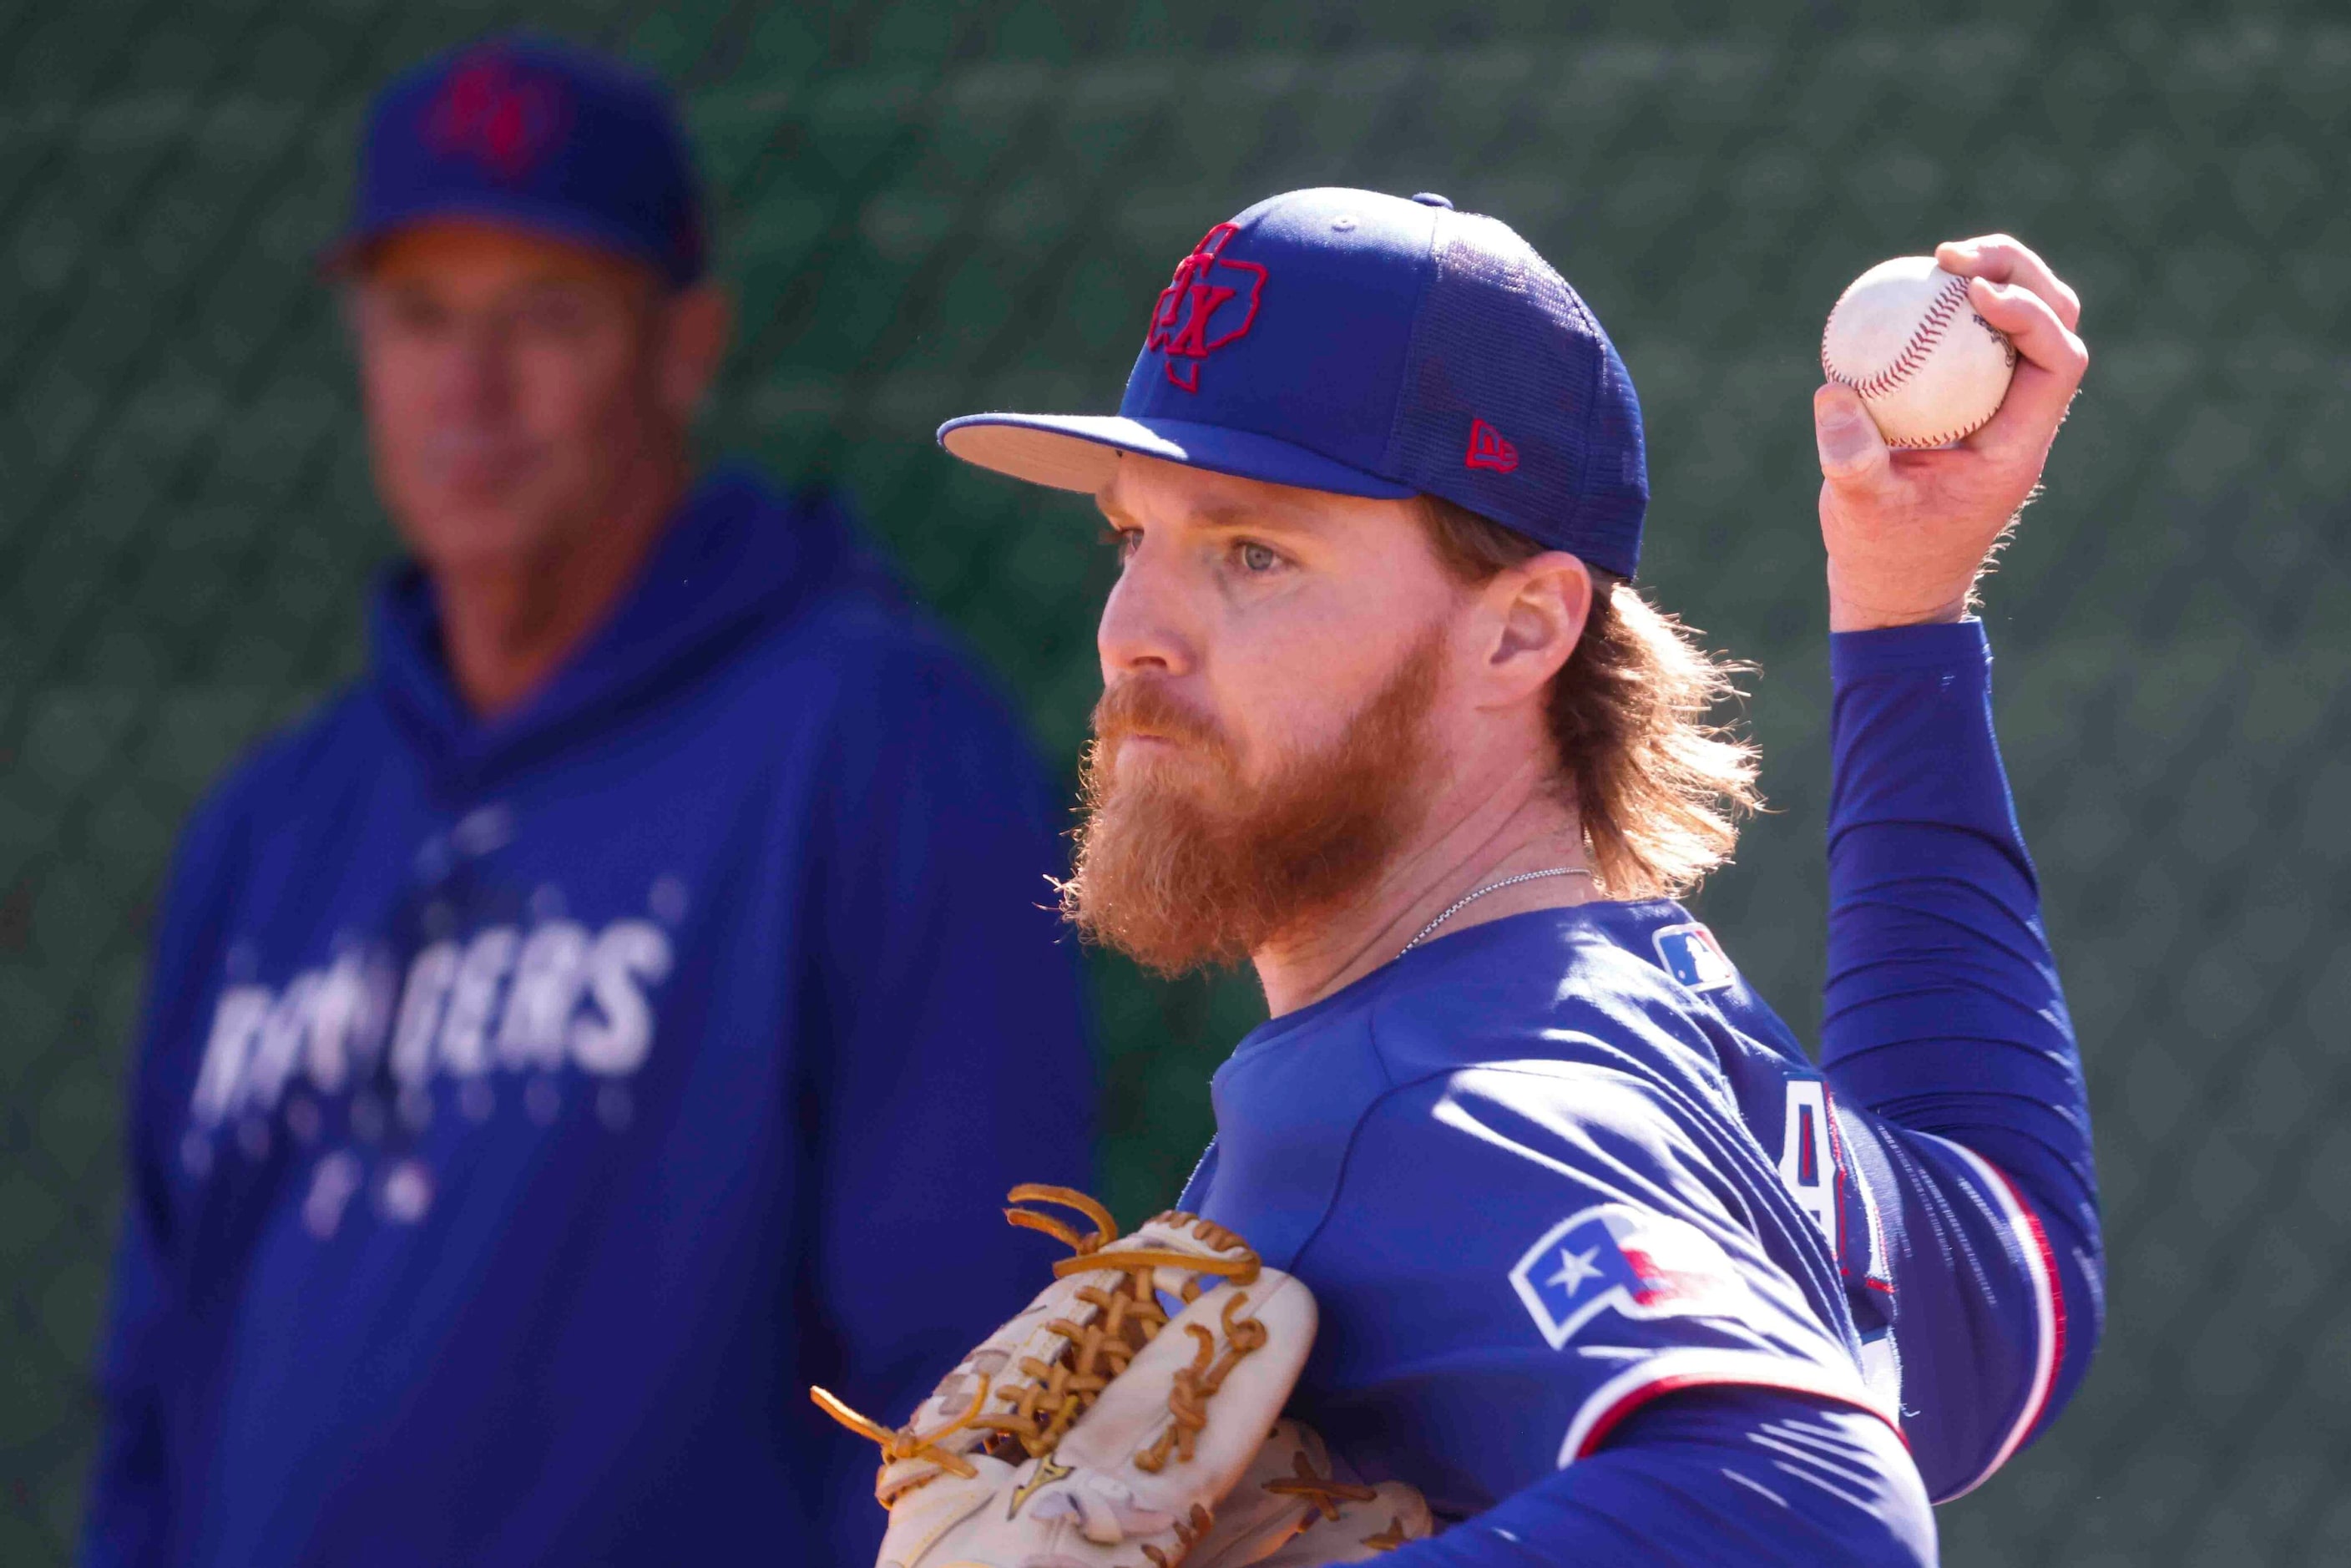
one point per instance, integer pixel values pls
(537, 134)
(1351, 341)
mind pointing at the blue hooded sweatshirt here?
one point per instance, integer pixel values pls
(527, 1112)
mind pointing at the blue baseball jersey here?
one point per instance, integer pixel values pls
(1543, 1172)
(1520, 1169)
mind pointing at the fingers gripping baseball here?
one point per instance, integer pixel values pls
(2013, 289)
(1996, 258)
(1909, 532)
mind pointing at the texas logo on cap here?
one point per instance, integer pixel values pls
(532, 134)
(1207, 293)
(499, 110)
(1372, 345)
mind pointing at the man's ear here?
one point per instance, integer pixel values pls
(700, 323)
(1539, 609)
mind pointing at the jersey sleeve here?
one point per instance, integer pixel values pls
(1520, 1257)
(1717, 1478)
(1946, 1043)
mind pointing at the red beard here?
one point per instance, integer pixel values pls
(1185, 865)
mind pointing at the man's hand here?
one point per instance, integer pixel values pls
(1907, 532)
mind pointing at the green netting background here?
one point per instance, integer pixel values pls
(935, 208)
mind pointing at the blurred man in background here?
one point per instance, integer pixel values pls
(625, 1006)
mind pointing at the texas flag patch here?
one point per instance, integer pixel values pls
(1691, 954)
(1618, 1258)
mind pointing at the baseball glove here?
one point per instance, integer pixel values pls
(1103, 1427)
(1296, 1508)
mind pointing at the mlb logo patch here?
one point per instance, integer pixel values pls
(1691, 954)
(1615, 1258)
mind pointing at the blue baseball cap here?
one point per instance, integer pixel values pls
(537, 134)
(1361, 343)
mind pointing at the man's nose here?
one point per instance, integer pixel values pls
(479, 378)
(1145, 624)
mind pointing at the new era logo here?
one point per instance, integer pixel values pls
(1488, 449)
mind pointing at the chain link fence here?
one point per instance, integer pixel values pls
(929, 209)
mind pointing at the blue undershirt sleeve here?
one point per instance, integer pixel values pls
(1723, 1478)
(1945, 1025)
(955, 1058)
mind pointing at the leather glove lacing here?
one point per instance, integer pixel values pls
(1128, 1316)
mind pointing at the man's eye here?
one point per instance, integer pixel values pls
(1257, 557)
(410, 315)
(1125, 541)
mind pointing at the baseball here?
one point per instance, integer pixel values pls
(1929, 369)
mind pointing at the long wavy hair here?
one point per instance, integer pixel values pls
(1659, 779)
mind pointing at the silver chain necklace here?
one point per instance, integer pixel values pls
(1466, 899)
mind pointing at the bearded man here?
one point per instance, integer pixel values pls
(1608, 1269)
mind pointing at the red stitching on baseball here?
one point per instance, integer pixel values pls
(1913, 444)
(1939, 316)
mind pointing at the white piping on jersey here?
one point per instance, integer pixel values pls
(1672, 1370)
(2041, 1269)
